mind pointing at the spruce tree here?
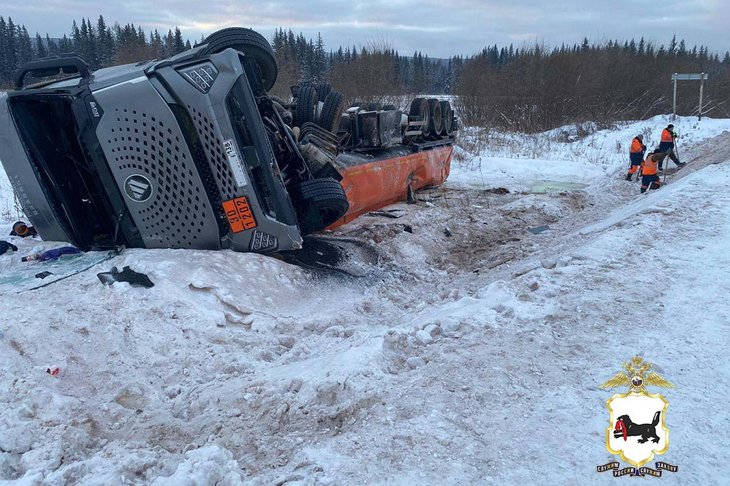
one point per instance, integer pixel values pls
(178, 44)
(51, 46)
(4, 66)
(40, 49)
(104, 43)
(11, 48)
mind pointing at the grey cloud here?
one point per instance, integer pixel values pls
(463, 27)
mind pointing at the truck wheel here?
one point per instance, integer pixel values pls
(319, 203)
(250, 43)
(323, 90)
(447, 115)
(334, 106)
(435, 121)
(419, 108)
(306, 105)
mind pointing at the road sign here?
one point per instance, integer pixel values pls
(688, 77)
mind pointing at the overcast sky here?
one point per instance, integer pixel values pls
(439, 28)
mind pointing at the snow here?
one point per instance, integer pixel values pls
(470, 359)
(517, 161)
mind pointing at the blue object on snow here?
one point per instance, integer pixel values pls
(52, 254)
(58, 252)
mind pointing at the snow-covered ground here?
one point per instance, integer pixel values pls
(473, 358)
(519, 161)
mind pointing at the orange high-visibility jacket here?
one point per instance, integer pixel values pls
(667, 136)
(636, 146)
(649, 166)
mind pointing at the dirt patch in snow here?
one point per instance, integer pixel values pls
(448, 232)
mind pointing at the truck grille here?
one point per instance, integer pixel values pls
(215, 154)
(176, 213)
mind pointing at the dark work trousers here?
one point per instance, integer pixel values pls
(668, 148)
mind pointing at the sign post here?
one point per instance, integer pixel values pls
(688, 77)
(702, 85)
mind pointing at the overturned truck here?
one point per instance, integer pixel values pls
(192, 151)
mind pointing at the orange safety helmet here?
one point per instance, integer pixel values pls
(20, 228)
(23, 230)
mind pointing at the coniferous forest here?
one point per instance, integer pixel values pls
(524, 88)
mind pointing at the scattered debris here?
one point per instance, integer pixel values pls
(389, 213)
(5, 246)
(53, 371)
(43, 275)
(135, 279)
(408, 228)
(497, 190)
(447, 232)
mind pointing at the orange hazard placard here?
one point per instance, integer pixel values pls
(239, 214)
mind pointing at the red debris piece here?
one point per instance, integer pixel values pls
(53, 371)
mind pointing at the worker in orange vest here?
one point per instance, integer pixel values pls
(649, 178)
(636, 155)
(666, 144)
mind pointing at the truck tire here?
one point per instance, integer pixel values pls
(323, 89)
(334, 106)
(250, 43)
(447, 115)
(319, 203)
(419, 108)
(435, 121)
(307, 84)
(306, 105)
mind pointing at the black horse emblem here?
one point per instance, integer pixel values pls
(626, 428)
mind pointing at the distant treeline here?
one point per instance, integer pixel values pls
(372, 73)
(99, 45)
(539, 88)
(526, 88)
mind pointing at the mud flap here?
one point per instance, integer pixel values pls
(348, 256)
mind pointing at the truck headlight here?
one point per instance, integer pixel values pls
(201, 76)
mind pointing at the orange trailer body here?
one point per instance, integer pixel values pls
(372, 185)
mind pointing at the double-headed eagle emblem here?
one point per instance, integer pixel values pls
(636, 377)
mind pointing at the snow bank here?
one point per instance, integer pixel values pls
(473, 358)
(518, 161)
